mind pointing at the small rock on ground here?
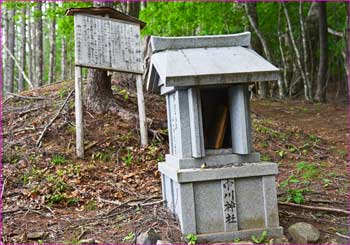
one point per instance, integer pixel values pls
(148, 237)
(304, 233)
(163, 242)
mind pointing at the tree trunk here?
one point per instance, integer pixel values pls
(283, 83)
(29, 45)
(305, 50)
(52, 58)
(250, 8)
(9, 78)
(99, 96)
(133, 8)
(323, 64)
(297, 54)
(4, 54)
(63, 58)
(39, 47)
(23, 50)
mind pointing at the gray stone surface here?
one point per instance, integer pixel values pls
(196, 122)
(303, 233)
(250, 204)
(243, 234)
(208, 66)
(187, 211)
(148, 237)
(181, 125)
(163, 242)
(240, 119)
(215, 208)
(193, 175)
(212, 160)
(168, 43)
(270, 199)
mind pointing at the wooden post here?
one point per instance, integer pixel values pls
(79, 113)
(142, 111)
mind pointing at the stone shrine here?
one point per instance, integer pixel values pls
(212, 180)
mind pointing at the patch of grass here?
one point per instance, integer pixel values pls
(127, 159)
(264, 144)
(58, 160)
(308, 170)
(58, 187)
(281, 153)
(102, 155)
(191, 239)
(33, 174)
(72, 201)
(260, 239)
(265, 157)
(342, 153)
(296, 195)
(90, 206)
(62, 93)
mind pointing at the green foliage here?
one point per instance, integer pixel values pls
(58, 186)
(125, 93)
(261, 238)
(91, 205)
(129, 238)
(58, 159)
(191, 239)
(296, 195)
(308, 170)
(127, 159)
(101, 155)
(192, 18)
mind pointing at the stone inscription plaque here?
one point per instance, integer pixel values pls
(106, 43)
(229, 204)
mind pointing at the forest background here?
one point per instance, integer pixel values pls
(306, 40)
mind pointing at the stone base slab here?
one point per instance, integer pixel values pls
(223, 204)
(244, 234)
(212, 161)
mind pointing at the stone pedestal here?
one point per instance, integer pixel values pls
(224, 203)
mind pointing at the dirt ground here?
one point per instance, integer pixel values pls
(114, 194)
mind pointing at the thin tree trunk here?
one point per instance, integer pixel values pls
(297, 54)
(9, 79)
(63, 58)
(133, 8)
(305, 50)
(284, 83)
(39, 46)
(250, 8)
(4, 54)
(323, 65)
(52, 58)
(23, 50)
(29, 45)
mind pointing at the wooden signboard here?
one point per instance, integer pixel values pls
(106, 43)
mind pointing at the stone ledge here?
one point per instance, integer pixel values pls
(212, 160)
(166, 43)
(197, 174)
(243, 234)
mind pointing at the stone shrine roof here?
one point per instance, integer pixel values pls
(103, 11)
(206, 60)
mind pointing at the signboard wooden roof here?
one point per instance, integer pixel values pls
(103, 11)
(110, 43)
(215, 60)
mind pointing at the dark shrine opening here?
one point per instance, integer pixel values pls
(216, 118)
